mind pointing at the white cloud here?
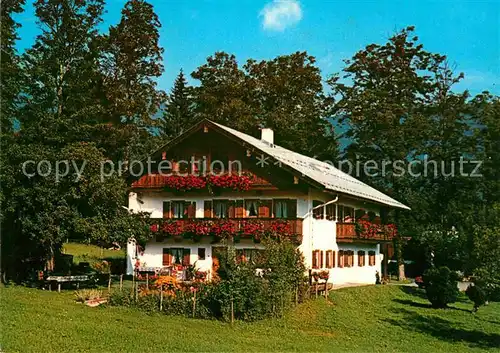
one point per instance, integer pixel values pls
(281, 14)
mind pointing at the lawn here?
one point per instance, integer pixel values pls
(374, 318)
(91, 253)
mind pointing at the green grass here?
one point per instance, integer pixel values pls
(91, 253)
(373, 318)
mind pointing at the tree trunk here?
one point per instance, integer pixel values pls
(401, 264)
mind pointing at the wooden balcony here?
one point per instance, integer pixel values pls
(346, 233)
(158, 181)
(294, 224)
(290, 227)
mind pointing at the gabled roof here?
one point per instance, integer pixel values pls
(331, 178)
(315, 171)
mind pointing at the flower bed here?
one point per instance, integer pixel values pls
(223, 229)
(369, 230)
(193, 182)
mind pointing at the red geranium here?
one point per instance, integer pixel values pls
(252, 228)
(199, 227)
(184, 183)
(280, 228)
(230, 181)
(172, 227)
(224, 228)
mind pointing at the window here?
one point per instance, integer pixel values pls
(182, 209)
(346, 214)
(221, 208)
(247, 255)
(330, 259)
(176, 256)
(318, 212)
(361, 258)
(179, 209)
(285, 208)
(331, 212)
(316, 261)
(371, 258)
(201, 253)
(251, 208)
(346, 258)
(280, 209)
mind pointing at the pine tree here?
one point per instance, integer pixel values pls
(179, 111)
(131, 63)
(9, 69)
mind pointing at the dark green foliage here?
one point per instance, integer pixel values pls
(131, 62)
(284, 94)
(477, 295)
(178, 114)
(240, 291)
(62, 116)
(441, 286)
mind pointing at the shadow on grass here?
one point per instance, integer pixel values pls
(443, 330)
(424, 305)
(414, 291)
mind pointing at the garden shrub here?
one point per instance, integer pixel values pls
(121, 298)
(441, 286)
(246, 290)
(87, 294)
(477, 295)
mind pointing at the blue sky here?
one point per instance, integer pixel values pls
(467, 32)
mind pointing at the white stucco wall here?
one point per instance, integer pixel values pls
(317, 235)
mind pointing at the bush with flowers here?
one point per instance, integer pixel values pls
(369, 230)
(239, 290)
(221, 229)
(194, 182)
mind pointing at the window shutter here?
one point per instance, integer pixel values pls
(341, 258)
(371, 258)
(186, 254)
(333, 259)
(232, 209)
(328, 259)
(167, 257)
(315, 259)
(239, 209)
(361, 258)
(292, 208)
(191, 209)
(265, 208)
(207, 206)
(167, 213)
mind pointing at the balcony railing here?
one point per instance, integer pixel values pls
(230, 227)
(349, 232)
(156, 181)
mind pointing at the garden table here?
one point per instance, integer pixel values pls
(65, 279)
